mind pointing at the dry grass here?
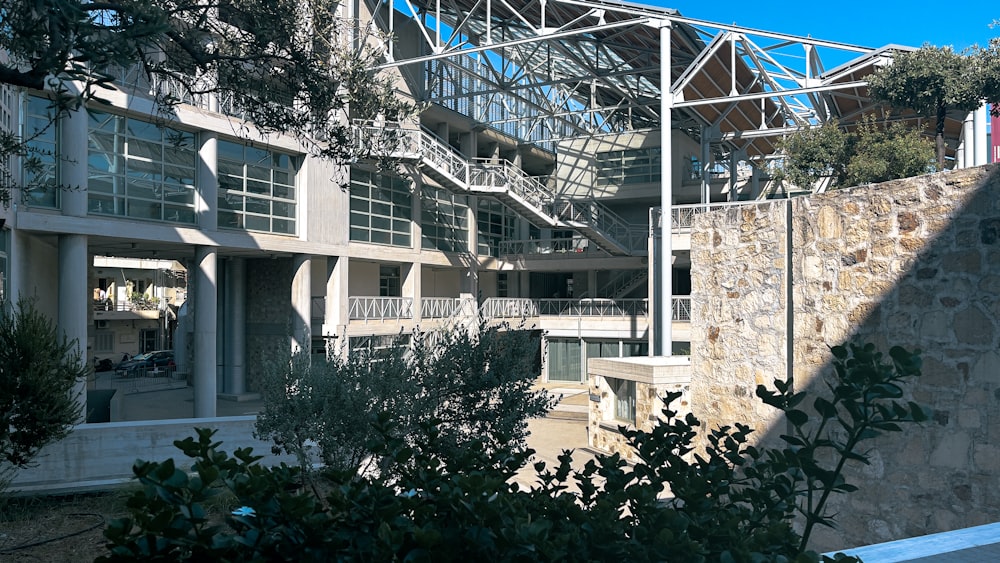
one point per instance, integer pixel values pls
(65, 528)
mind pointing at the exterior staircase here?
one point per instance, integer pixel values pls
(525, 194)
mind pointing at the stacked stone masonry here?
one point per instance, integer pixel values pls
(912, 262)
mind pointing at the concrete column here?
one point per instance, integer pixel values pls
(206, 300)
(469, 145)
(73, 164)
(981, 153)
(734, 162)
(337, 314)
(968, 143)
(74, 300)
(472, 220)
(236, 337)
(411, 286)
(662, 330)
(301, 303)
(207, 179)
(592, 284)
(442, 130)
(706, 166)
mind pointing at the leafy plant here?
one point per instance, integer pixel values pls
(38, 371)
(726, 501)
(473, 383)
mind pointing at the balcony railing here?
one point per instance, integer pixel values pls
(517, 307)
(380, 308)
(555, 247)
(446, 307)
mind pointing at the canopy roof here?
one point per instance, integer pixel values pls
(546, 70)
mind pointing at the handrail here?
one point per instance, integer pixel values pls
(598, 216)
(555, 247)
(380, 308)
(521, 307)
(441, 307)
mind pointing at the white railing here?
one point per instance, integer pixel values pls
(380, 308)
(446, 307)
(555, 247)
(681, 308)
(599, 217)
(505, 176)
(683, 215)
(520, 307)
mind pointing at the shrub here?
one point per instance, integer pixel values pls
(730, 501)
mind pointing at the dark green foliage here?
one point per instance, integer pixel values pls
(38, 370)
(872, 152)
(931, 81)
(473, 383)
(731, 501)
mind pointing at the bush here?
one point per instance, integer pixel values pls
(38, 371)
(731, 502)
(474, 384)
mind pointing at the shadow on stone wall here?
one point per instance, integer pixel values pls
(914, 263)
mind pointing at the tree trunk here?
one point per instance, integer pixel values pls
(939, 136)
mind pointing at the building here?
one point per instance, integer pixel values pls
(548, 159)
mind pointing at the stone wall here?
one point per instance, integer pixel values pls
(912, 262)
(268, 315)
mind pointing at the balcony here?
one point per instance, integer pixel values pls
(518, 308)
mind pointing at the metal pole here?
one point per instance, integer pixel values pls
(665, 310)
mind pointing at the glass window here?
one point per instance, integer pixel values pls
(624, 391)
(389, 282)
(380, 208)
(497, 223)
(38, 166)
(564, 360)
(256, 189)
(444, 221)
(632, 166)
(140, 170)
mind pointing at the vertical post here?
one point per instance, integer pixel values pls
(981, 154)
(208, 182)
(236, 287)
(206, 300)
(301, 298)
(968, 142)
(73, 268)
(336, 315)
(663, 317)
(411, 287)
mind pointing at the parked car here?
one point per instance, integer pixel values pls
(146, 364)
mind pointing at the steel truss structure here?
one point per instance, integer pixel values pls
(546, 70)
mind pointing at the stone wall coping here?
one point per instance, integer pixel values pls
(662, 370)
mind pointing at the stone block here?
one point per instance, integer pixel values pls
(952, 450)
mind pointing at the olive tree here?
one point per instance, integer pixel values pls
(39, 368)
(931, 81)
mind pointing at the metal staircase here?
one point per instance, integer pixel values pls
(524, 194)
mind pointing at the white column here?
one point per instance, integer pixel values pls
(206, 299)
(208, 182)
(74, 295)
(301, 303)
(236, 338)
(411, 286)
(73, 301)
(981, 152)
(968, 143)
(337, 314)
(662, 317)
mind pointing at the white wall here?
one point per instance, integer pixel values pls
(364, 279)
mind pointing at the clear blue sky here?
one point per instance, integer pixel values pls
(959, 23)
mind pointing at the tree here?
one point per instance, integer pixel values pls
(38, 371)
(287, 66)
(931, 81)
(872, 152)
(990, 60)
(474, 384)
(731, 501)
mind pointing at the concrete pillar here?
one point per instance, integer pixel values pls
(662, 330)
(411, 286)
(301, 303)
(236, 337)
(206, 301)
(74, 293)
(74, 300)
(207, 178)
(469, 145)
(337, 307)
(968, 143)
(981, 153)
(592, 284)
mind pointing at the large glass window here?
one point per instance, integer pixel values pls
(256, 189)
(38, 166)
(444, 222)
(632, 166)
(389, 282)
(564, 360)
(497, 223)
(140, 170)
(381, 208)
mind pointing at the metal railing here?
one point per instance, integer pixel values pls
(520, 307)
(555, 247)
(380, 308)
(626, 280)
(446, 307)
(503, 175)
(683, 215)
(589, 212)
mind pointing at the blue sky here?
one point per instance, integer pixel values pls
(959, 23)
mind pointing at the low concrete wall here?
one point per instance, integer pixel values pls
(96, 456)
(653, 378)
